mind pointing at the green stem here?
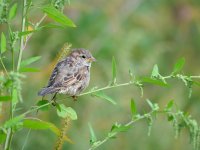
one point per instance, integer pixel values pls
(107, 87)
(3, 66)
(115, 133)
(86, 93)
(22, 38)
(29, 36)
(10, 132)
(11, 47)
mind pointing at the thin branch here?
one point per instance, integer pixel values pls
(22, 38)
(35, 108)
(108, 87)
(97, 90)
(10, 133)
(3, 66)
(29, 36)
(99, 143)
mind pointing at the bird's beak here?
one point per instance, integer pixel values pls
(91, 59)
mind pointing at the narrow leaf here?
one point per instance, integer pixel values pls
(5, 98)
(2, 136)
(29, 61)
(155, 71)
(113, 71)
(133, 107)
(153, 81)
(41, 103)
(58, 16)
(3, 43)
(170, 105)
(27, 32)
(92, 134)
(14, 121)
(120, 128)
(66, 112)
(14, 97)
(12, 12)
(178, 65)
(51, 25)
(102, 95)
(29, 70)
(37, 124)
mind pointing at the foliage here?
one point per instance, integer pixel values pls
(14, 41)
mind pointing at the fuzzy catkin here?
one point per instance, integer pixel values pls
(60, 140)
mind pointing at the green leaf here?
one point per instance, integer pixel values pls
(37, 124)
(14, 121)
(5, 98)
(102, 95)
(58, 16)
(120, 128)
(170, 117)
(133, 107)
(14, 97)
(66, 112)
(51, 25)
(29, 61)
(178, 66)
(153, 81)
(27, 32)
(113, 71)
(155, 72)
(29, 70)
(12, 12)
(3, 43)
(43, 102)
(169, 105)
(92, 134)
(2, 136)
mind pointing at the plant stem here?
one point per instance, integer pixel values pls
(22, 38)
(86, 93)
(37, 25)
(107, 87)
(3, 66)
(10, 132)
(115, 133)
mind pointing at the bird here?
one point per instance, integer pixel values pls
(71, 75)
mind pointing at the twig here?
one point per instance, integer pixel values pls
(86, 93)
(99, 143)
(4, 66)
(10, 133)
(22, 38)
(29, 36)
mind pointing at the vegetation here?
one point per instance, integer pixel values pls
(123, 36)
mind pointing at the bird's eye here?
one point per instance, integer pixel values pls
(83, 56)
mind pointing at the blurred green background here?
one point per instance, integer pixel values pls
(139, 34)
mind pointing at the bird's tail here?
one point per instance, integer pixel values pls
(47, 90)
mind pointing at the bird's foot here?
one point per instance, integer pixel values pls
(74, 97)
(54, 103)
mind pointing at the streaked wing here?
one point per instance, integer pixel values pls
(54, 74)
(70, 78)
